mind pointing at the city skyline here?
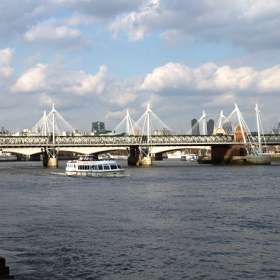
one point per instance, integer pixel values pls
(95, 60)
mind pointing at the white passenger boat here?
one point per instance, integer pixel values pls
(88, 166)
(175, 155)
(4, 156)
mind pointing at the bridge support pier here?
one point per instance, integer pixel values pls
(222, 154)
(146, 161)
(49, 161)
(136, 158)
(53, 162)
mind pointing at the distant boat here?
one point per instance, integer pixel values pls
(181, 156)
(7, 156)
(188, 157)
(175, 155)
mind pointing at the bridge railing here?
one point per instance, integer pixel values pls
(126, 141)
(24, 141)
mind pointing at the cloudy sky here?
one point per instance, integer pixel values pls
(97, 59)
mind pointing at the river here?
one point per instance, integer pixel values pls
(175, 220)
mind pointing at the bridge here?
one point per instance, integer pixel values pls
(149, 137)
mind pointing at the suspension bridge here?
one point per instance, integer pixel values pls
(144, 139)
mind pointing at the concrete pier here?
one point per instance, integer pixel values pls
(237, 154)
(135, 156)
(223, 154)
(52, 162)
(252, 159)
(48, 161)
(146, 161)
(275, 157)
(4, 270)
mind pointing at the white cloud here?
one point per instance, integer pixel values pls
(221, 101)
(235, 79)
(36, 11)
(121, 96)
(79, 19)
(59, 82)
(48, 34)
(175, 76)
(32, 80)
(46, 31)
(100, 10)
(80, 83)
(250, 24)
(136, 24)
(176, 36)
(269, 79)
(261, 10)
(46, 100)
(5, 60)
(169, 76)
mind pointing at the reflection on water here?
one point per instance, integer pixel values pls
(175, 220)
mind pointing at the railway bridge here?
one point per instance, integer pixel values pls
(145, 139)
(223, 147)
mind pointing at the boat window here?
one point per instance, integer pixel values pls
(113, 166)
(119, 167)
(106, 167)
(83, 167)
(100, 167)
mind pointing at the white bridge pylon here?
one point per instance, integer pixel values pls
(127, 126)
(148, 124)
(222, 124)
(52, 123)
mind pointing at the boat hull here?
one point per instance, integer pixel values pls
(119, 173)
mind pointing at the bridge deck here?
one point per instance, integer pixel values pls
(127, 141)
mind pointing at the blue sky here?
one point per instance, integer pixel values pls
(94, 60)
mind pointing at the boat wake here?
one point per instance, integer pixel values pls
(113, 176)
(58, 173)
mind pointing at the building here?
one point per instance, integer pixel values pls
(195, 127)
(163, 131)
(98, 128)
(3, 131)
(210, 127)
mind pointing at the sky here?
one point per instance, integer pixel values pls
(95, 60)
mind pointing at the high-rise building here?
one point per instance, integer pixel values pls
(195, 127)
(210, 127)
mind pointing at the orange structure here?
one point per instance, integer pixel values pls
(238, 135)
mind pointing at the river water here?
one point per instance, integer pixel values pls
(175, 220)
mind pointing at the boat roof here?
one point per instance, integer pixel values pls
(90, 161)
